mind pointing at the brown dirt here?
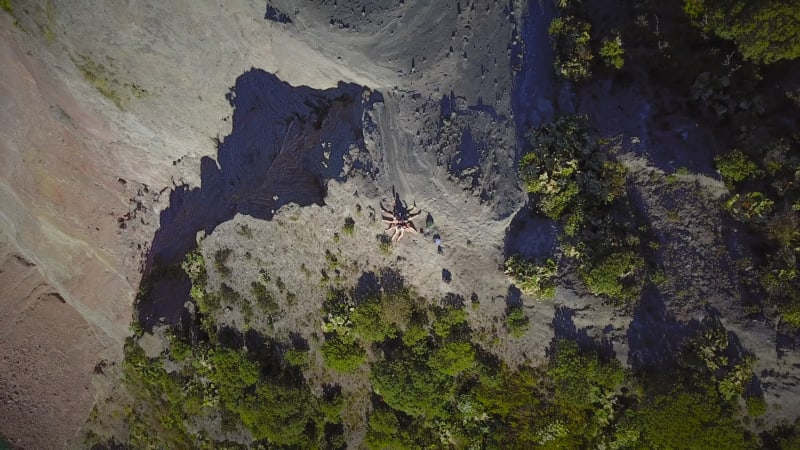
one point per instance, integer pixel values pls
(47, 352)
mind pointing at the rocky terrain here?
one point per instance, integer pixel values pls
(268, 135)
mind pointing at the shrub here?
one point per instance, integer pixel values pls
(584, 383)
(407, 384)
(690, 419)
(534, 279)
(736, 166)
(517, 322)
(449, 320)
(343, 354)
(297, 358)
(263, 298)
(368, 322)
(233, 373)
(616, 276)
(349, 226)
(453, 358)
(286, 415)
(220, 258)
(756, 406)
(570, 37)
(385, 432)
(568, 171)
(384, 244)
(753, 205)
(612, 52)
(764, 31)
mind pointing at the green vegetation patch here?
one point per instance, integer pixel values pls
(617, 276)
(536, 279)
(567, 169)
(573, 179)
(571, 42)
(613, 52)
(517, 322)
(343, 354)
(766, 31)
(99, 76)
(736, 166)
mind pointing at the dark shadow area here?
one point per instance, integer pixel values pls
(564, 328)
(655, 337)
(468, 155)
(787, 340)
(447, 276)
(298, 341)
(531, 97)
(487, 109)
(429, 223)
(230, 337)
(391, 280)
(276, 15)
(513, 297)
(269, 353)
(531, 235)
(367, 287)
(447, 106)
(452, 300)
(285, 143)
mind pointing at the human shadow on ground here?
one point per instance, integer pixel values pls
(286, 142)
(530, 235)
(564, 328)
(513, 297)
(655, 336)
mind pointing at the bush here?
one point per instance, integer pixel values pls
(570, 37)
(297, 358)
(453, 358)
(349, 226)
(736, 166)
(616, 276)
(449, 320)
(585, 387)
(765, 31)
(612, 52)
(220, 258)
(407, 384)
(689, 420)
(385, 432)
(368, 322)
(517, 322)
(343, 354)
(753, 205)
(756, 406)
(534, 279)
(286, 415)
(568, 171)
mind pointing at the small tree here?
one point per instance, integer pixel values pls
(571, 43)
(616, 276)
(343, 354)
(517, 323)
(736, 166)
(533, 278)
(612, 52)
(765, 31)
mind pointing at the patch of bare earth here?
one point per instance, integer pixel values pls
(47, 355)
